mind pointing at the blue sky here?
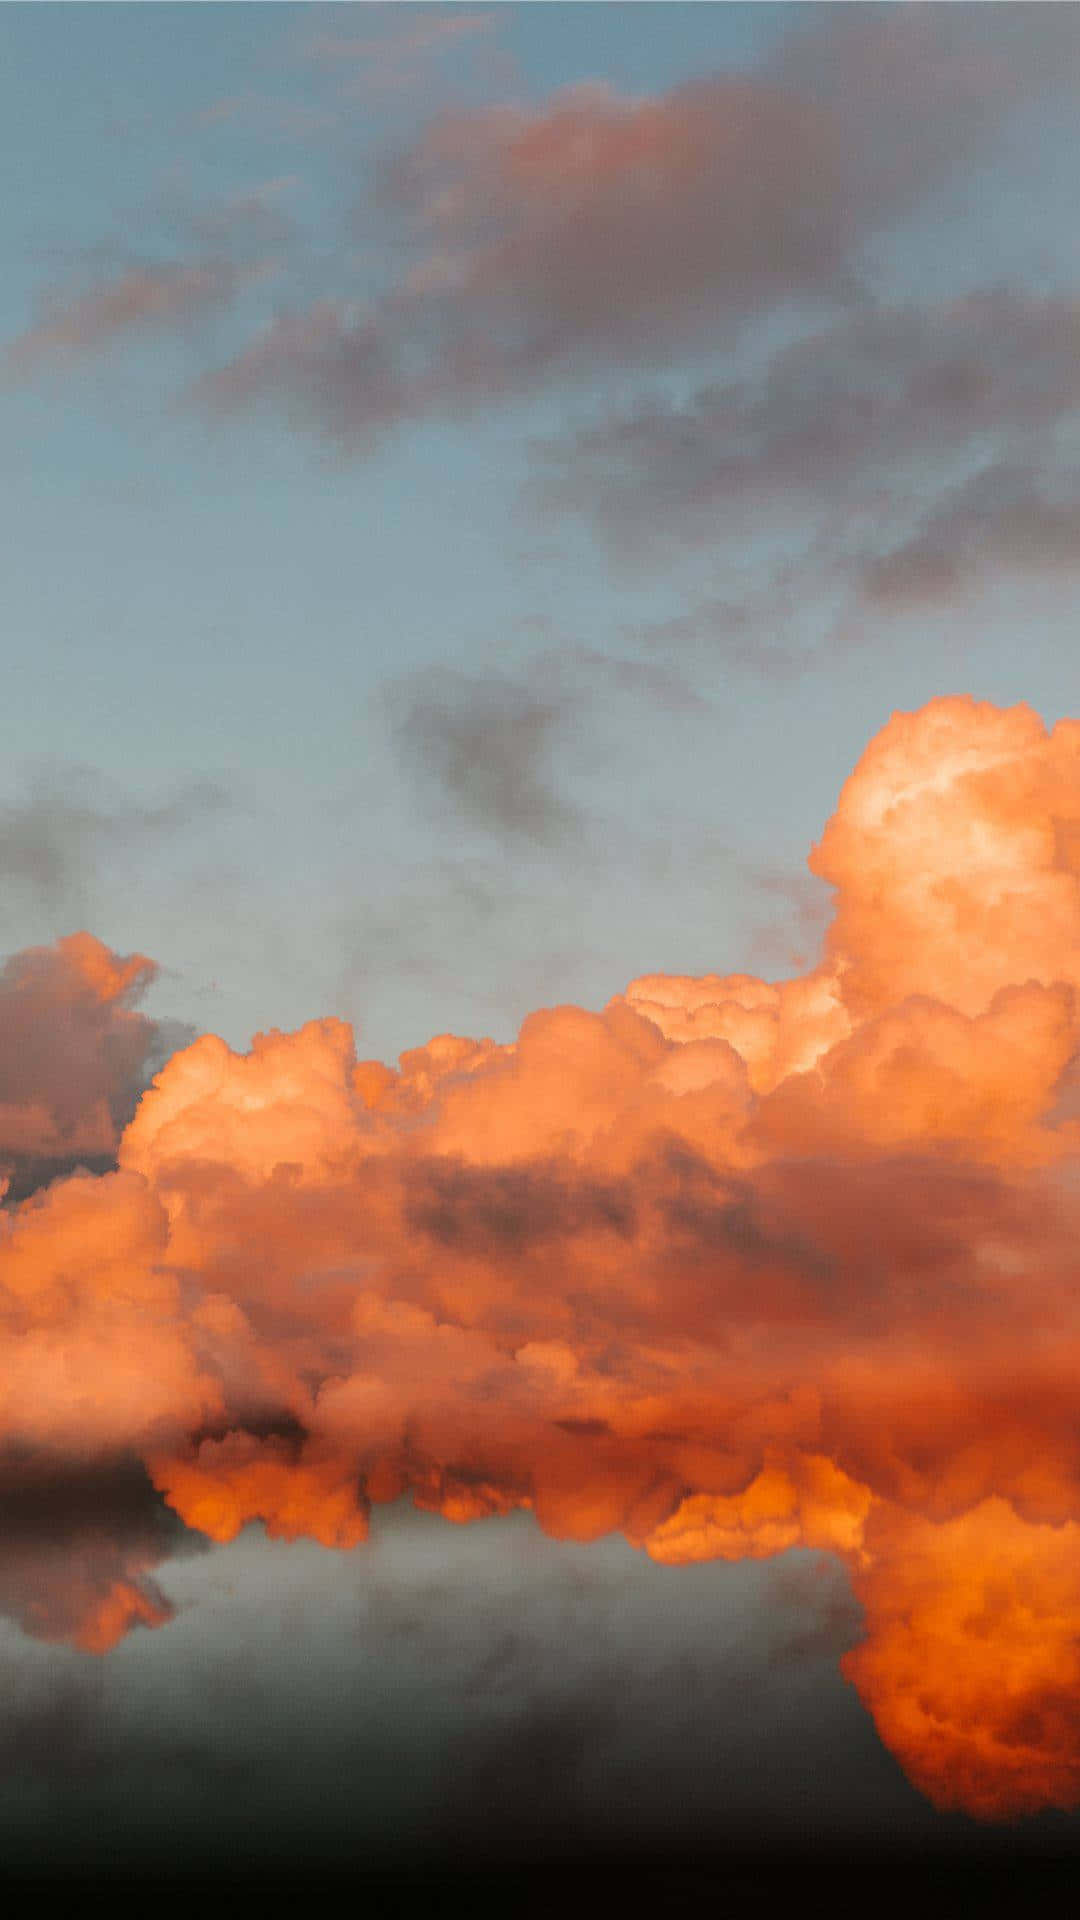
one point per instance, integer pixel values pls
(227, 600)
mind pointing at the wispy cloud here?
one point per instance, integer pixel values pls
(544, 241)
(409, 43)
(67, 819)
(142, 299)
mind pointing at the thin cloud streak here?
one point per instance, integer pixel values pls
(144, 299)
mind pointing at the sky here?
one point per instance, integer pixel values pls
(540, 915)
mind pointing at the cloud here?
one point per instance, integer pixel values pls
(74, 1052)
(540, 238)
(717, 630)
(80, 1546)
(598, 226)
(875, 407)
(67, 818)
(497, 749)
(730, 1267)
(485, 743)
(144, 298)
(1006, 520)
(400, 56)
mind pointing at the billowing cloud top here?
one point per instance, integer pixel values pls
(730, 1266)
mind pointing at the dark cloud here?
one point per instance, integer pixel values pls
(493, 1210)
(500, 748)
(593, 674)
(67, 819)
(80, 1543)
(472, 1695)
(598, 226)
(54, 1738)
(839, 419)
(485, 745)
(1006, 520)
(75, 1056)
(920, 89)
(524, 1788)
(715, 631)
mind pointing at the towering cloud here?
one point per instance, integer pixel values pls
(731, 1266)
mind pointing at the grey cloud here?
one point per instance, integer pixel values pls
(493, 1211)
(721, 631)
(663, 685)
(1005, 520)
(835, 416)
(70, 1531)
(886, 462)
(451, 1696)
(75, 1052)
(485, 745)
(68, 818)
(72, 1063)
(920, 88)
(500, 747)
(599, 226)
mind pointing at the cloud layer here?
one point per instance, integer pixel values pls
(599, 226)
(730, 1267)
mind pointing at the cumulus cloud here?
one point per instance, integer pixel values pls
(731, 1267)
(80, 1546)
(74, 1050)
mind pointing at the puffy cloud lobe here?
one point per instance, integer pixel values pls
(73, 1050)
(98, 1351)
(996, 1731)
(731, 1266)
(954, 850)
(81, 1541)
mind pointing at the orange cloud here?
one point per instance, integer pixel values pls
(72, 1054)
(162, 295)
(731, 1266)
